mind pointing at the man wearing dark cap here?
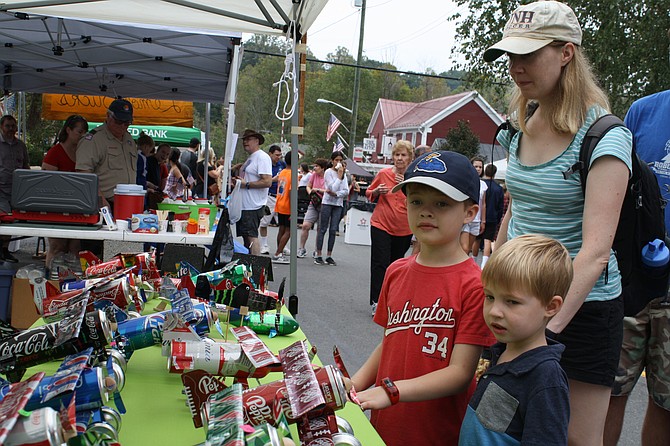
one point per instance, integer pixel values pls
(189, 157)
(256, 178)
(109, 151)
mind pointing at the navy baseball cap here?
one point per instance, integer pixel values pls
(121, 110)
(449, 172)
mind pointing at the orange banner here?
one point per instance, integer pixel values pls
(94, 108)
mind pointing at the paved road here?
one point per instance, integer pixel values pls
(334, 310)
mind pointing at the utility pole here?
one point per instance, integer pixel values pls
(357, 80)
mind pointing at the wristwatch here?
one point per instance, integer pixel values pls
(391, 390)
(247, 185)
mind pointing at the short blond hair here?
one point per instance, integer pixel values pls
(533, 264)
(404, 145)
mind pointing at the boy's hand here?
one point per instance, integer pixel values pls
(374, 398)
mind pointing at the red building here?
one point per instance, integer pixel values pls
(424, 122)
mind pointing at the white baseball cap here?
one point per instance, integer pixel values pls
(535, 26)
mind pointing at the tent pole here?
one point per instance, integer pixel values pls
(204, 150)
(231, 140)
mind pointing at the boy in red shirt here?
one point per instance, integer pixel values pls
(283, 210)
(431, 309)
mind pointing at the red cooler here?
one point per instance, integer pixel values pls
(128, 200)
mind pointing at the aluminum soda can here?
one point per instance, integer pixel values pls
(260, 402)
(118, 358)
(102, 430)
(112, 417)
(222, 359)
(42, 427)
(143, 331)
(345, 439)
(90, 392)
(96, 330)
(105, 268)
(117, 291)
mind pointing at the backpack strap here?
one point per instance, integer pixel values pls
(594, 134)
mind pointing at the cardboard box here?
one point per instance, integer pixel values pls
(23, 310)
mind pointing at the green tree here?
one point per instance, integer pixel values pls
(462, 139)
(625, 40)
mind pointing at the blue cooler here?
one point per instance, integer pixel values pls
(6, 276)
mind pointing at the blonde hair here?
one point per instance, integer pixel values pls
(404, 145)
(577, 91)
(202, 154)
(531, 263)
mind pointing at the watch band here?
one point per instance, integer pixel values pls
(391, 390)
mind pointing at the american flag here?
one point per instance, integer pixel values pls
(339, 145)
(333, 124)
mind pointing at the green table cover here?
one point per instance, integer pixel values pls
(157, 412)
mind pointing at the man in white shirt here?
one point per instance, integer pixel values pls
(256, 177)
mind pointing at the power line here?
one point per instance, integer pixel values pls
(387, 70)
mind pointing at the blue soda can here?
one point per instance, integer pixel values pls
(146, 331)
(89, 392)
(143, 331)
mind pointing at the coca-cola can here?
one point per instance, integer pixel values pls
(223, 359)
(42, 427)
(260, 402)
(105, 268)
(96, 330)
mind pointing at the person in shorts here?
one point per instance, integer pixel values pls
(256, 177)
(283, 209)
(646, 336)
(277, 166)
(472, 230)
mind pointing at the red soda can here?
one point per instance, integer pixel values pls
(117, 291)
(261, 402)
(105, 268)
(41, 428)
(214, 357)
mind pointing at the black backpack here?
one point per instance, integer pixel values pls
(641, 221)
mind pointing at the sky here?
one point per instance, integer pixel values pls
(411, 34)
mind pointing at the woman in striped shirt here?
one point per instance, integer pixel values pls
(556, 92)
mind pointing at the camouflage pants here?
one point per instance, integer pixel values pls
(646, 346)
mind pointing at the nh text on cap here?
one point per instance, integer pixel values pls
(121, 110)
(534, 26)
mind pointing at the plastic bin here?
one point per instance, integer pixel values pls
(6, 277)
(193, 209)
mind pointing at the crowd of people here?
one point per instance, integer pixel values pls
(529, 347)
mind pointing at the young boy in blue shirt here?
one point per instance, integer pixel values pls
(523, 397)
(430, 307)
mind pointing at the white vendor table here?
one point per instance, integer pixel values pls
(26, 230)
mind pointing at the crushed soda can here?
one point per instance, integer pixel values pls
(41, 427)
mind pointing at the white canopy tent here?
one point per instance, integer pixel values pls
(163, 49)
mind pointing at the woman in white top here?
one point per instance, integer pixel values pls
(336, 189)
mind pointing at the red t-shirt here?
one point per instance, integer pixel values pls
(390, 214)
(425, 311)
(57, 157)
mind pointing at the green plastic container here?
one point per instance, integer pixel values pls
(181, 208)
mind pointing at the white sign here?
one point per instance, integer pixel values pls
(369, 145)
(387, 146)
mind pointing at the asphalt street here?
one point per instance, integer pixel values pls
(334, 310)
